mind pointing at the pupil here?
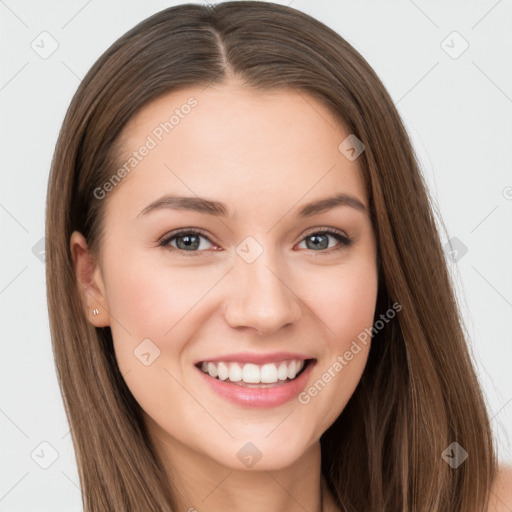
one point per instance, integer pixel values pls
(187, 242)
(317, 244)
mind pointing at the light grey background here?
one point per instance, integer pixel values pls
(457, 109)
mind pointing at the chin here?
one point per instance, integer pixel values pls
(260, 453)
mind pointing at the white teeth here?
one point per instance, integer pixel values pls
(212, 369)
(223, 371)
(235, 372)
(282, 372)
(268, 373)
(253, 373)
(292, 370)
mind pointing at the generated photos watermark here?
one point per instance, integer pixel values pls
(343, 360)
(156, 136)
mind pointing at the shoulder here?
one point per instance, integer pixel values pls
(501, 490)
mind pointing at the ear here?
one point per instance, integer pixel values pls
(90, 281)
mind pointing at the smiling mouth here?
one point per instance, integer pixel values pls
(254, 375)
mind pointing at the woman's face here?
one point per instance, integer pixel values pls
(253, 284)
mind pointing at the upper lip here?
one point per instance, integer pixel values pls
(255, 358)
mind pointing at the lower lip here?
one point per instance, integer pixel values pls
(260, 397)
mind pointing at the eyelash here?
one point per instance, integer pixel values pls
(338, 235)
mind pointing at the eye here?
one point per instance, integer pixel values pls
(319, 240)
(186, 240)
(189, 240)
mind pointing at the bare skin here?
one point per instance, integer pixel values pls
(265, 155)
(501, 490)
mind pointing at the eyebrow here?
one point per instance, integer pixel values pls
(219, 209)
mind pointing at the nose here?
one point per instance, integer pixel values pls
(260, 298)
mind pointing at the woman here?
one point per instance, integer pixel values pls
(248, 298)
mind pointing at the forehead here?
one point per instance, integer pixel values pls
(238, 145)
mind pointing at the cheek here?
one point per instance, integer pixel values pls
(347, 311)
(153, 312)
(345, 301)
(149, 322)
(148, 301)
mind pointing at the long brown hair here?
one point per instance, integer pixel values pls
(418, 393)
